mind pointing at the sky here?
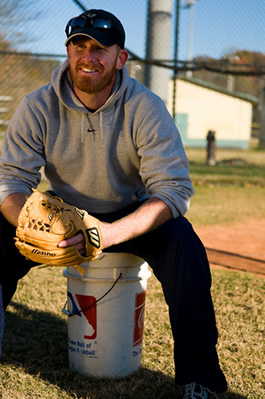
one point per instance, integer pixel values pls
(219, 26)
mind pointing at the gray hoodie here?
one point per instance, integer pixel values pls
(126, 151)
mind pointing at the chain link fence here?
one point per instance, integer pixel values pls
(211, 53)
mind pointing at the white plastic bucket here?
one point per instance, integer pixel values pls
(105, 339)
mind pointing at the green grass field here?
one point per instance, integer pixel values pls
(35, 363)
(231, 191)
(35, 359)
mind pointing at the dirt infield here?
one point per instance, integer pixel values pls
(237, 247)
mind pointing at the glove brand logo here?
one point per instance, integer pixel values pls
(44, 253)
(51, 216)
(93, 237)
(80, 213)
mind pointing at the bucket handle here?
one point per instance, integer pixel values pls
(69, 314)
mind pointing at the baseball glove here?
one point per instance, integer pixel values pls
(45, 220)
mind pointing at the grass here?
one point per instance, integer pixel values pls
(35, 362)
(226, 205)
(240, 311)
(253, 156)
(231, 191)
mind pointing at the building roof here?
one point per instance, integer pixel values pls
(211, 86)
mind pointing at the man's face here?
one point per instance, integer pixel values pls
(92, 66)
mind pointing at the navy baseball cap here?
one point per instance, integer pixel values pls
(100, 25)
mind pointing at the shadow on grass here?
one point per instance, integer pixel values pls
(37, 342)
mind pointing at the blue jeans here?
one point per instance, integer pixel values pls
(179, 261)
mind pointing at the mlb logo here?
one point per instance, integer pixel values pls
(86, 306)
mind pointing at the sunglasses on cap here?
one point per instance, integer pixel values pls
(83, 21)
(97, 23)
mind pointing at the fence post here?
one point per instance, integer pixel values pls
(211, 147)
(262, 121)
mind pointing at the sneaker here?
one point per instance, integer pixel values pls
(196, 391)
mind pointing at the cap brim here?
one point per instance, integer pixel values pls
(101, 37)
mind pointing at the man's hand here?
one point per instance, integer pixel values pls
(77, 240)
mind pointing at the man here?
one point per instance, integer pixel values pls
(109, 146)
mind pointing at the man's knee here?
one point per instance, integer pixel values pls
(178, 230)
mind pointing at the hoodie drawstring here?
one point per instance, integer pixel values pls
(82, 128)
(101, 124)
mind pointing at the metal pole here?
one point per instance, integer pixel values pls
(175, 59)
(262, 114)
(191, 4)
(158, 46)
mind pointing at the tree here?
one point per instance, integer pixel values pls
(20, 74)
(253, 85)
(12, 12)
(251, 61)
